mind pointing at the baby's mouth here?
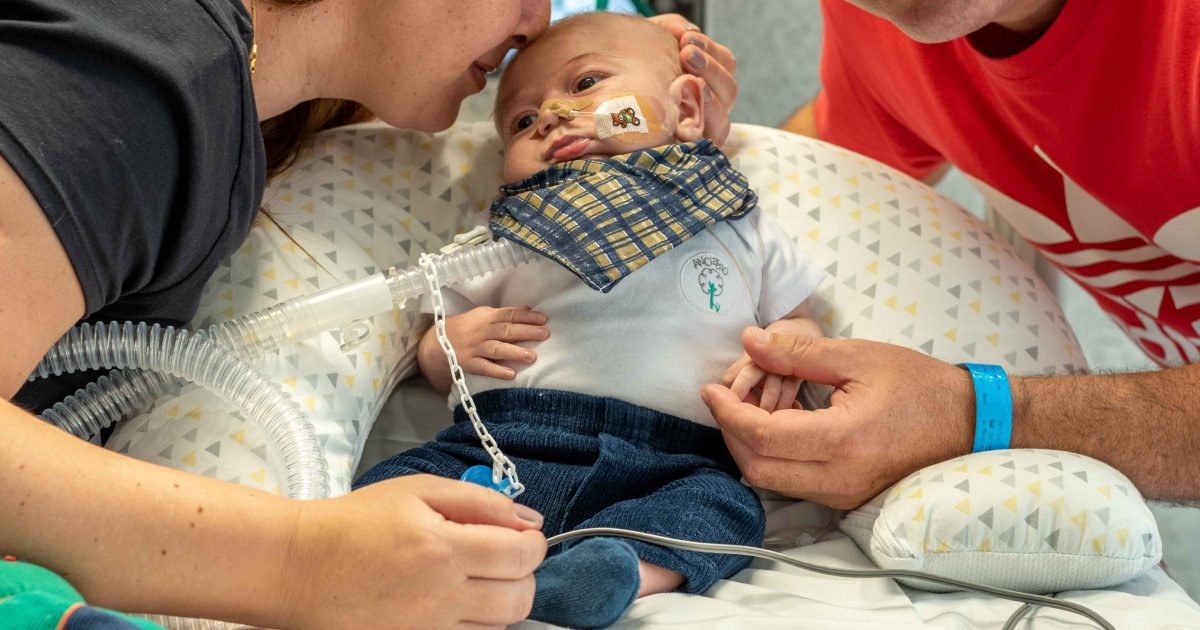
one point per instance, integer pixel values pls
(567, 148)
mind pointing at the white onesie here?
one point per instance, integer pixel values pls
(665, 330)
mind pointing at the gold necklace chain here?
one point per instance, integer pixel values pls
(254, 36)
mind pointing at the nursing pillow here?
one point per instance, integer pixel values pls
(1030, 520)
(358, 200)
(906, 266)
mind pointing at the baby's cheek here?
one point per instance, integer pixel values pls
(519, 164)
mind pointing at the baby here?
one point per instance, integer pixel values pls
(655, 262)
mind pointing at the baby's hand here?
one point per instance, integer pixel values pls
(774, 392)
(484, 335)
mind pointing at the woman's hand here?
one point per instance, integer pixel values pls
(484, 335)
(710, 61)
(412, 552)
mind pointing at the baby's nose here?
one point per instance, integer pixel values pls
(547, 120)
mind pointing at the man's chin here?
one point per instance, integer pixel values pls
(922, 34)
(932, 21)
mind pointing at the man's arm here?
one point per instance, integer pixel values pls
(895, 411)
(1146, 424)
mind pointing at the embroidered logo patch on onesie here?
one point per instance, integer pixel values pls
(703, 279)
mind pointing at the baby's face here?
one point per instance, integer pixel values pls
(589, 63)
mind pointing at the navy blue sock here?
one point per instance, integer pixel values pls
(589, 585)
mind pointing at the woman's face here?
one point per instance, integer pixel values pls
(418, 59)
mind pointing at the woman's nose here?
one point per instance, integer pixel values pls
(534, 22)
(535, 18)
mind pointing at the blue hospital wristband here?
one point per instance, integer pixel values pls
(993, 406)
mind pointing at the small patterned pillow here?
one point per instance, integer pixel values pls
(1031, 520)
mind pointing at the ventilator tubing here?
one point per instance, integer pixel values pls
(192, 357)
(126, 391)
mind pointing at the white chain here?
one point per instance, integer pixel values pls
(501, 466)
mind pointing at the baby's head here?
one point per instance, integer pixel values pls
(577, 65)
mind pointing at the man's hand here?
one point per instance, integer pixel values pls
(893, 411)
(415, 551)
(710, 61)
(752, 384)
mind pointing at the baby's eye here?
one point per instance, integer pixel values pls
(586, 82)
(523, 122)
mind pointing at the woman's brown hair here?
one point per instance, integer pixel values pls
(284, 135)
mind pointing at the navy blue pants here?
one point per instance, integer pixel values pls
(599, 462)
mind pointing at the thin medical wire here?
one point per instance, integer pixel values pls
(1011, 624)
(1028, 599)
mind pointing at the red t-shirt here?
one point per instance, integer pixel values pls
(1087, 142)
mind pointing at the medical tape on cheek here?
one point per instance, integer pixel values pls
(628, 118)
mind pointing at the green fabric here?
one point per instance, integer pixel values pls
(34, 598)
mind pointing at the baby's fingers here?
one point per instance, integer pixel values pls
(746, 379)
(771, 388)
(788, 392)
(500, 351)
(513, 324)
(517, 332)
(732, 371)
(520, 315)
(483, 367)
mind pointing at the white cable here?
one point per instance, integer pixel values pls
(1028, 599)
(502, 467)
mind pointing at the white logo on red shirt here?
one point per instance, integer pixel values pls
(1152, 289)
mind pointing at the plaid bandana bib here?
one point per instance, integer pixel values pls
(604, 219)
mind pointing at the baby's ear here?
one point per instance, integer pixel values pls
(687, 91)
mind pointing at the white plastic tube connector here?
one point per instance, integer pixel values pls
(304, 317)
(181, 354)
(460, 266)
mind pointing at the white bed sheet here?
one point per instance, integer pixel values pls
(771, 595)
